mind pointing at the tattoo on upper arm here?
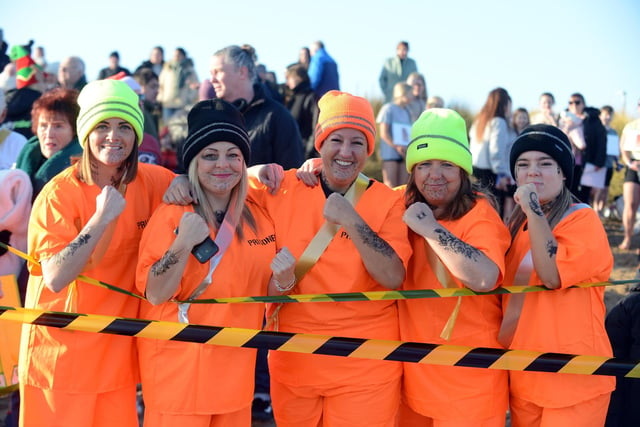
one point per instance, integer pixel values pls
(163, 264)
(73, 247)
(535, 205)
(551, 248)
(449, 242)
(370, 238)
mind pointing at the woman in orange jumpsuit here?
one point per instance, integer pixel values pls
(368, 252)
(190, 384)
(556, 243)
(88, 220)
(458, 240)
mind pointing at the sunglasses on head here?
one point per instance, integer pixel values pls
(576, 102)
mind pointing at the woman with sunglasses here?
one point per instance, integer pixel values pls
(588, 138)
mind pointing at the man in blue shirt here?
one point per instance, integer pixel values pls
(323, 70)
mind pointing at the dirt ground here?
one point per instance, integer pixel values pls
(626, 262)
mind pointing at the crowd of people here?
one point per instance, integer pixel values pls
(238, 186)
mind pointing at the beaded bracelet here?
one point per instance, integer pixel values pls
(284, 288)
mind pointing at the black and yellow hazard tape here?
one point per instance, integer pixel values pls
(342, 297)
(437, 354)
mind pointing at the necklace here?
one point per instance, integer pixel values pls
(219, 216)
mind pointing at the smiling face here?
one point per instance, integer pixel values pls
(219, 167)
(536, 167)
(54, 133)
(438, 181)
(111, 141)
(343, 154)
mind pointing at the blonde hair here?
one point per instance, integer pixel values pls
(204, 208)
(400, 90)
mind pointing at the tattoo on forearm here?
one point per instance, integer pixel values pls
(451, 243)
(73, 247)
(163, 264)
(535, 205)
(551, 248)
(370, 238)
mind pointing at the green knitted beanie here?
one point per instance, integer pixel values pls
(439, 134)
(104, 99)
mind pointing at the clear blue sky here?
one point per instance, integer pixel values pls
(465, 48)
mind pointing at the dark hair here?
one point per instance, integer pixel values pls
(403, 43)
(144, 76)
(513, 118)
(160, 48)
(114, 54)
(550, 95)
(494, 106)
(578, 95)
(60, 101)
(298, 70)
(468, 194)
(182, 51)
(608, 109)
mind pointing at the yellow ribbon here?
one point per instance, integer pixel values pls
(447, 281)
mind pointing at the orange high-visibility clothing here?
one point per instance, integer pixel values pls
(564, 320)
(191, 378)
(297, 212)
(456, 393)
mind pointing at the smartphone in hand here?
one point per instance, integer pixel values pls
(204, 250)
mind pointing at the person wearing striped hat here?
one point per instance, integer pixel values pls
(346, 235)
(89, 220)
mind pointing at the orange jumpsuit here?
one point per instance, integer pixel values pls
(297, 212)
(75, 362)
(456, 393)
(180, 378)
(564, 320)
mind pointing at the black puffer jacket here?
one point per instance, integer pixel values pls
(304, 109)
(623, 328)
(272, 131)
(595, 137)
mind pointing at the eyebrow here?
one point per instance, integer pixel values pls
(535, 159)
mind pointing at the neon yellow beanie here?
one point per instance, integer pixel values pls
(439, 134)
(104, 99)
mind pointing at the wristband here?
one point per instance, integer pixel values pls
(286, 288)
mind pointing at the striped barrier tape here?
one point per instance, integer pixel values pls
(342, 297)
(436, 354)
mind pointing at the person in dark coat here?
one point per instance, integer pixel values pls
(302, 105)
(623, 328)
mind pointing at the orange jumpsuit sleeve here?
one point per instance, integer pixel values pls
(189, 378)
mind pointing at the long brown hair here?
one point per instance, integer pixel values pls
(463, 201)
(88, 162)
(494, 106)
